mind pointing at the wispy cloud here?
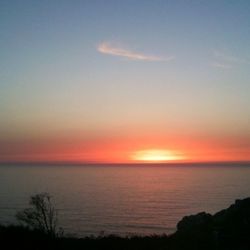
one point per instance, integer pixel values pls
(225, 61)
(221, 65)
(107, 48)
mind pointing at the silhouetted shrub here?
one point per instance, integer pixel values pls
(41, 215)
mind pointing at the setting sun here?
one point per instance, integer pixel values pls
(156, 155)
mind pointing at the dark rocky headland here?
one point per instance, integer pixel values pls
(228, 229)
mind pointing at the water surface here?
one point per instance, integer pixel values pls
(121, 199)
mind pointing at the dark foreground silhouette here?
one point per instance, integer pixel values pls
(228, 229)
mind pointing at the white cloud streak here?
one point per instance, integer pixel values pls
(107, 48)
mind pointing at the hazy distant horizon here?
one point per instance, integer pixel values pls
(73, 163)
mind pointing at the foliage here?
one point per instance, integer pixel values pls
(41, 215)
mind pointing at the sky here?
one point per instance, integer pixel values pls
(124, 81)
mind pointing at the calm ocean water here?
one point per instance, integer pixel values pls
(120, 199)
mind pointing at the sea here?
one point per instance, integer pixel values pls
(142, 199)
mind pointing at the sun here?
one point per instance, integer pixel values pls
(156, 155)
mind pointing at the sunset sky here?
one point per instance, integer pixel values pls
(124, 81)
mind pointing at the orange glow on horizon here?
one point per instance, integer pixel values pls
(155, 148)
(156, 155)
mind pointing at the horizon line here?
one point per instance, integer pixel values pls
(74, 163)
